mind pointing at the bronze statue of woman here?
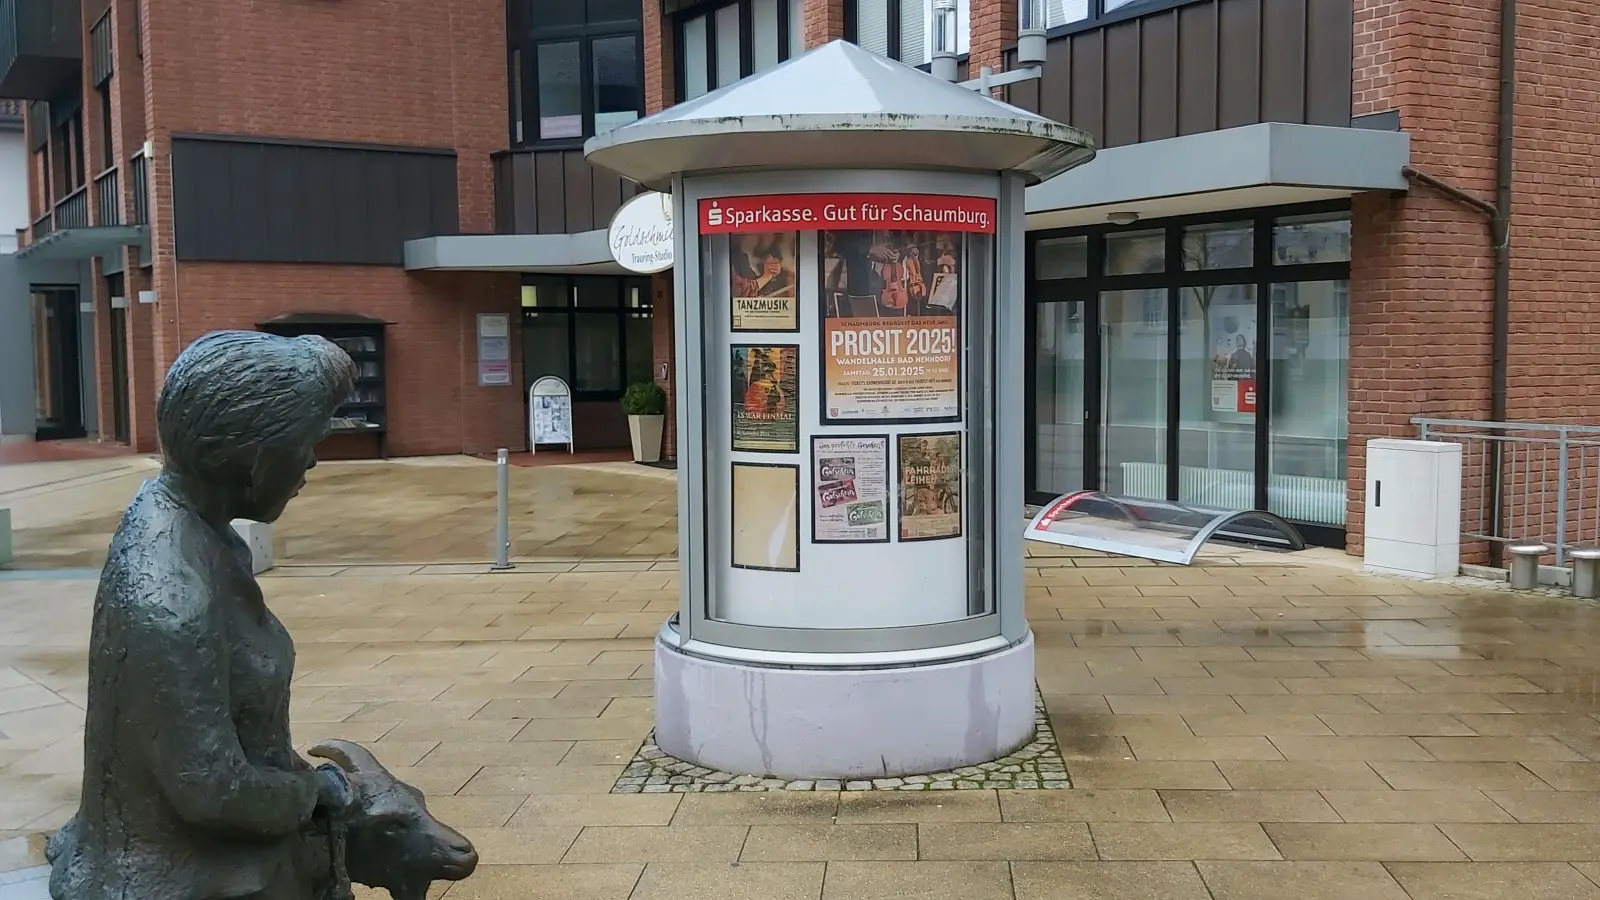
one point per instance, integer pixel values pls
(191, 788)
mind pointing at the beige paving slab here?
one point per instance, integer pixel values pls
(1525, 843)
(1154, 775)
(1300, 775)
(1550, 806)
(597, 809)
(1303, 880)
(1083, 805)
(1381, 842)
(1182, 841)
(1493, 881)
(1423, 776)
(933, 806)
(1247, 806)
(1567, 776)
(1491, 749)
(1415, 806)
(496, 753)
(1005, 841)
(824, 843)
(730, 881)
(764, 808)
(559, 779)
(655, 843)
(565, 882)
(932, 880)
(521, 846)
(1107, 881)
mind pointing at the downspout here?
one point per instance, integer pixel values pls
(1499, 215)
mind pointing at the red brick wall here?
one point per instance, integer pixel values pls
(994, 26)
(1421, 276)
(824, 21)
(434, 403)
(403, 72)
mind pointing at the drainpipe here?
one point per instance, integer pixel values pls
(1499, 215)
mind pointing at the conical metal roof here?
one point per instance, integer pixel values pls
(839, 106)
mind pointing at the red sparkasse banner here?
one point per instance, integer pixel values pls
(846, 212)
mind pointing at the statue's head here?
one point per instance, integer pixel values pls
(241, 413)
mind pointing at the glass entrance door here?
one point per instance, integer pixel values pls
(56, 364)
(1202, 361)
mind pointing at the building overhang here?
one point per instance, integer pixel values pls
(1235, 168)
(84, 243)
(585, 253)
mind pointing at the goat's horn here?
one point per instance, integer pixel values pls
(349, 756)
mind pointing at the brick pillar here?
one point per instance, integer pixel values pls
(1421, 264)
(663, 343)
(824, 21)
(101, 298)
(660, 83)
(994, 27)
(144, 382)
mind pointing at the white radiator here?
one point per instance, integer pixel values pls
(1299, 498)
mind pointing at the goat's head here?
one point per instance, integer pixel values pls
(393, 842)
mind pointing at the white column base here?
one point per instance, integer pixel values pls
(843, 723)
(258, 536)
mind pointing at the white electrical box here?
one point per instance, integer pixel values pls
(1413, 508)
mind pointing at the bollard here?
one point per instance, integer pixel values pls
(1586, 572)
(502, 525)
(1525, 565)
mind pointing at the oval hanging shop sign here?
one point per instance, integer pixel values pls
(641, 233)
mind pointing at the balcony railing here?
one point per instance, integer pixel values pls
(139, 189)
(72, 211)
(108, 198)
(41, 49)
(42, 226)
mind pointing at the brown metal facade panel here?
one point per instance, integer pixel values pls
(550, 178)
(505, 195)
(1197, 68)
(579, 192)
(1055, 86)
(1121, 108)
(609, 191)
(525, 199)
(1158, 77)
(1330, 37)
(1087, 84)
(1283, 61)
(1239, 62)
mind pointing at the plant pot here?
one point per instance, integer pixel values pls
(646, 434)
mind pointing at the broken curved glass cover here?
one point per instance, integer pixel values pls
(1153, 529)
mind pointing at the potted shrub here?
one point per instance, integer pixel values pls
(646, 405)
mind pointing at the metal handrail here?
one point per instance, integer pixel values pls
(108, 197)
(72, 211)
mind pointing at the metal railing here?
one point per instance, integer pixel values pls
(108, 197)
(139, 189)
(43, 225)
(1526, 481)
(72, 211)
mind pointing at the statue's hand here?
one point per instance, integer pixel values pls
(334, 793)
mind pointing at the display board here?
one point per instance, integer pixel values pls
(549, 413)
(840, 457)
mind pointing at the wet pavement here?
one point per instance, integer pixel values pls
(436, 509)
(1247, 729)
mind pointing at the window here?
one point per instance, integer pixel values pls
(721, 43)
(903, 29)
(1203, 361)
(1070, 12)
(108, 155)
(593, 332)
(574, 68)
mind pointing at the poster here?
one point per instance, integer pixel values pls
(550, 412)
(764, 281)
(765, 384)
(1232, 331)
(930, 486)
(850, 476)
(494, 349)
(890, 336)
(766, 517)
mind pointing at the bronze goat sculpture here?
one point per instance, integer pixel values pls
(391, 841)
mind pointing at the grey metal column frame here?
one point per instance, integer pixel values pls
(695, 631)
(1011, 351)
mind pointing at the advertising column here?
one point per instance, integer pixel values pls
(843, 320)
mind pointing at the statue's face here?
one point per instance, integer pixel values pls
(280, 473)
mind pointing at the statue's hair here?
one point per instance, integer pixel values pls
(230, 393)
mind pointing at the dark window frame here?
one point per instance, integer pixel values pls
(1098, 16)
(746, 40)
(852, 32)
(522, 70)
(621, 314)
(1086, 292)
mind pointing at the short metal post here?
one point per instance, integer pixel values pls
(1586, 572)
(1525, 565)
(502, 526)
(1561, 502)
